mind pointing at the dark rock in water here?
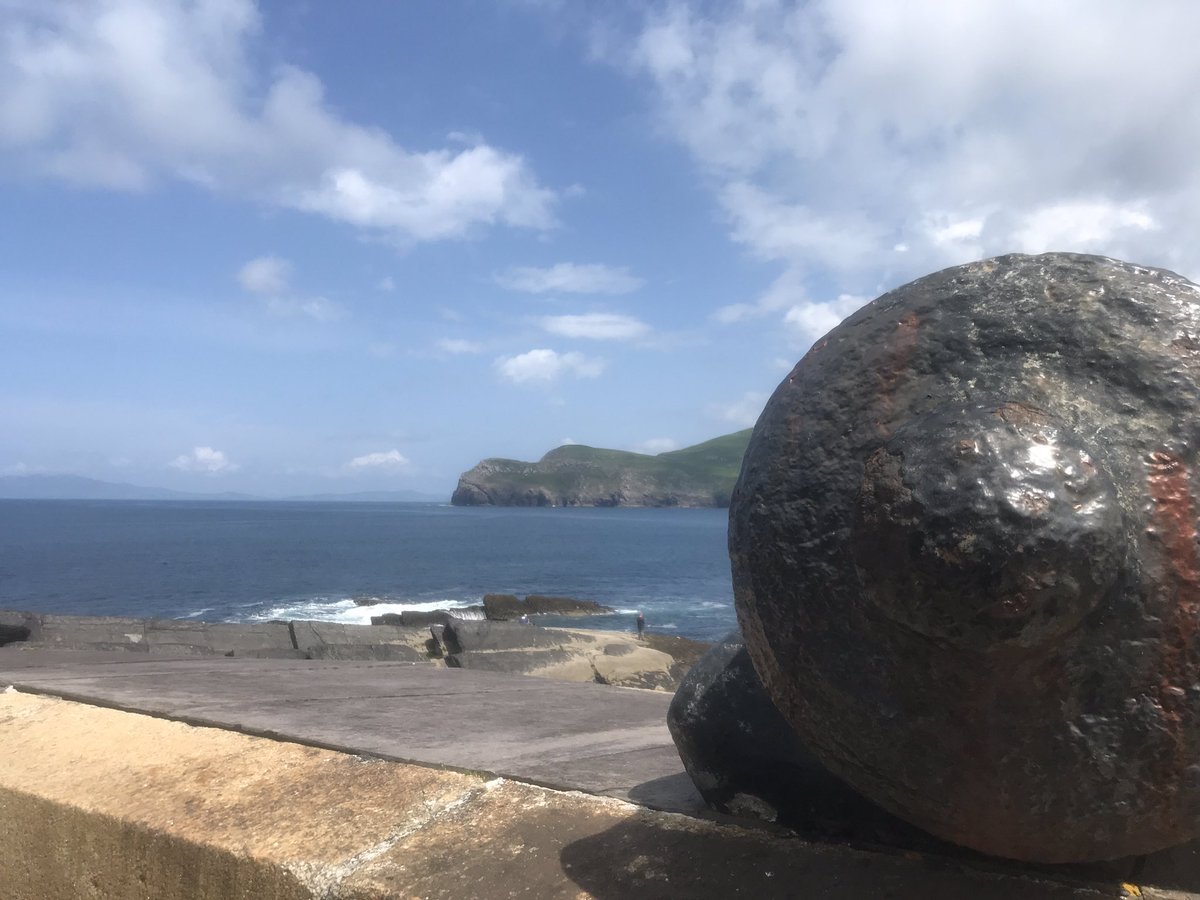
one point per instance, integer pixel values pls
(501, 607)
(541, 605)
(505, 607)
(387, 619)
(464, 637)
(965, 555)
(746, 760)
(423, 619)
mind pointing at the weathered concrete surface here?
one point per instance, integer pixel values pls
(564, 654)
(965, 555)
(576, 736)
(567, 654)
(97, 803)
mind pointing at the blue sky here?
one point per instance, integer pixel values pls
(286, 247)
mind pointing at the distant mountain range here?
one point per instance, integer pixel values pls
(76, 487)
(575, 475)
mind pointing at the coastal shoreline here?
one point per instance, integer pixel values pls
(622, 659)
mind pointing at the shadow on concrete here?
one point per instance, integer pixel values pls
(675, 793)
(1176, 869)
(648, 859)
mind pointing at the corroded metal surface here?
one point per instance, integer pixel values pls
(965, 555)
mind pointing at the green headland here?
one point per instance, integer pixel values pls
(576, 475)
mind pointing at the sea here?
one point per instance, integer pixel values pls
(254, 561)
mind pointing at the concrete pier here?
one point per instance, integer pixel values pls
(133, 775)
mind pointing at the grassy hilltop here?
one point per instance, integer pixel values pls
(575, 475)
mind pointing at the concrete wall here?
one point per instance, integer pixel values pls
(101, 804)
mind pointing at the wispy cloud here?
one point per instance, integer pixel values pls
(807, 322)
(380, 460)
(857, 144)
(742, 412)
(205, 460)
(269, 277)
(542, 366)
(569, 278)
(126, 94)
(596, 326)
(458, 346)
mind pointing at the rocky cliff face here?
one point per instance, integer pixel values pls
(575, 475)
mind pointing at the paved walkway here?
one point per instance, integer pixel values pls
(563, 735)
(567, 736)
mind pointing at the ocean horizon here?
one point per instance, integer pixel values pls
(246, 561)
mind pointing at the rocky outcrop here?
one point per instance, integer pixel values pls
(558, 653)
(965, 560)
(614, 658)
(505, 607)
(575, 475)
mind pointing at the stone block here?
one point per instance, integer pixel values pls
(465, 636)
(513, 662)
(503, 607)
(379, 652)
(82, 630)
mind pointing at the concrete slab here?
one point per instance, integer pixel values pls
(104, 804)
(571, 736)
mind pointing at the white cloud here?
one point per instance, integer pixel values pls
(655, 446)
(861, 143)
(570, 278)
(386, 284)
(809, 321)
(743, 412)
(547, 366)
(595, 326)
(127, 93)
(205, 460)
(568, 442)
(268, 275)
(787, 291)
(270, 278)
(1088, 226)
(459, 346)
(381, 460)
(317, 308)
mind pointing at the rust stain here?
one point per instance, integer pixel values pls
(904, 342)
(1174, 519)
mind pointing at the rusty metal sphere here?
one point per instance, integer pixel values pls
(965, 555)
